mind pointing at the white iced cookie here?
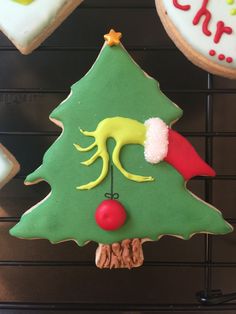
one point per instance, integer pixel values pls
(204, 30)
(8, 166)
(27, 23)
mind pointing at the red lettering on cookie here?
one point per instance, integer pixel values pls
(221, 29)
(229, 60)
(181, 6)
(207, 14)
(221, 57)
(212, 52)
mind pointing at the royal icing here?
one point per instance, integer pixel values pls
(5, 166)
(124, 131)
(156, 140)
(113, 38)
(110, 215)
(8, 166)
(209, 26)
(111, 104)
(25, 2)
(23, 23)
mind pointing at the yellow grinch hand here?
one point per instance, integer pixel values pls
(124, 131)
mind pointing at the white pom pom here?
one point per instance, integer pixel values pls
(156, 144)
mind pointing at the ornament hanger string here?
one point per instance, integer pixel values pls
(112, 195)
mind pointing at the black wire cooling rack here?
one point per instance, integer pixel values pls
(177, 276)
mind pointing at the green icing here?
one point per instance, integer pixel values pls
(115, 86)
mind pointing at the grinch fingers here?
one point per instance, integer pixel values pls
(124, 131)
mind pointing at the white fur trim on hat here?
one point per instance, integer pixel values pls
(156, 143)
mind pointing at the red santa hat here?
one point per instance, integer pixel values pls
(163, 143)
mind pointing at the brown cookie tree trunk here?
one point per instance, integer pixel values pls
(125, 254)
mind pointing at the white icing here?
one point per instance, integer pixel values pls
(5, 166)
(156, 143)
(193, 34)
(23, 23)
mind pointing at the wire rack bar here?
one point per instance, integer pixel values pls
(169, 264)
(208, 186)
(179, 308)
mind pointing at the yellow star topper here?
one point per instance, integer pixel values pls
(113, 38)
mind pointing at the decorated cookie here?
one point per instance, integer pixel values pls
(27, 23)
(204, 30)
(8, 166)
(118, 171)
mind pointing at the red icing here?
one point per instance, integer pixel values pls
(204, 15)
(181, 6)
(221, 57)
(212, 52)
(222, 29)
(229, 60)
(207, 14)
(183, 157)
(110, 215)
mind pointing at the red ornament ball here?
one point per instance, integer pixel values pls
(110, 215)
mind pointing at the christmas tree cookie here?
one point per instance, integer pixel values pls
(8, 166)
(27, 23)
(204, 30)
(118, 171)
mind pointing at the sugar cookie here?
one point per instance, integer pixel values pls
(204, 31)
(28, 23)
(118, 171)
